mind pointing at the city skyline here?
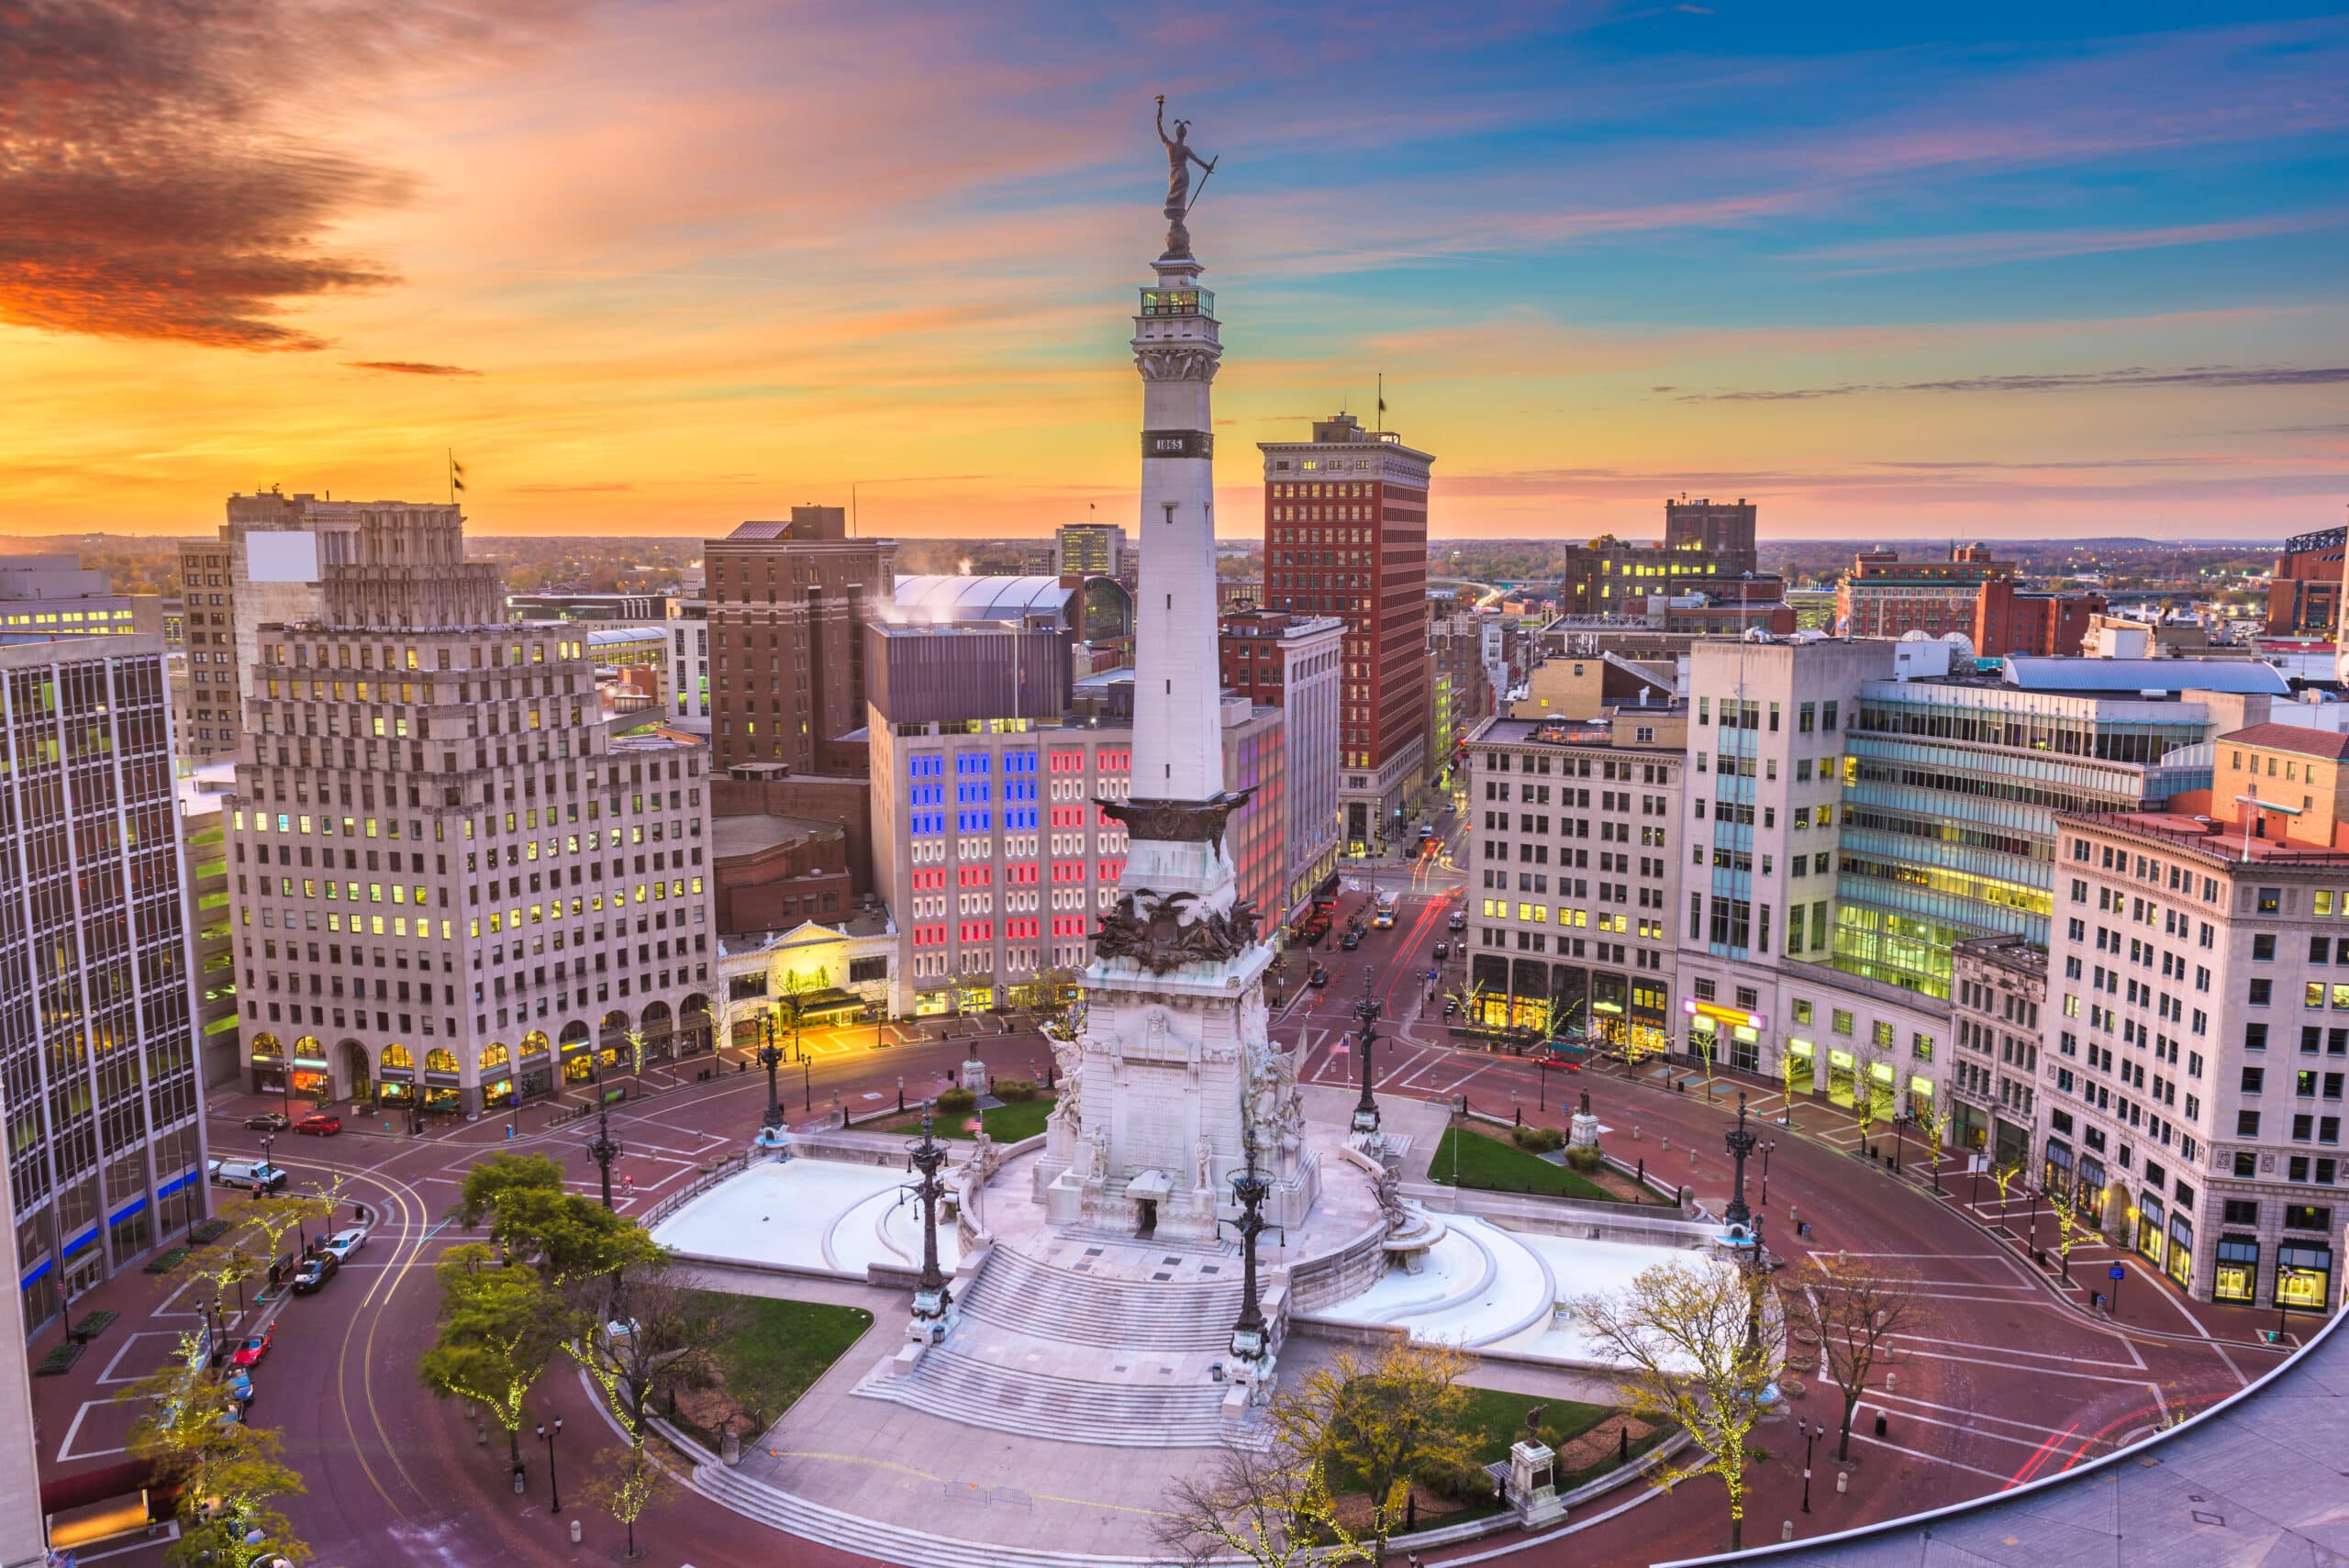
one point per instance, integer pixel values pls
(2009, 275)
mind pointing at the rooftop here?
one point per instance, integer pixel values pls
(749, 835)
(980, 598)
(2128, 675)
(2306, 742)
(2215, 843)
(1563, 732)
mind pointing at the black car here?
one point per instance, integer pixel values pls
(1350, 940)
(1320, 977)
(315, 1272)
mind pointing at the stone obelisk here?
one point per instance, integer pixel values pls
(1174, 1075)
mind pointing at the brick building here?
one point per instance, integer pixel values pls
(786, 604)
(1884, 595)
(2008, 619)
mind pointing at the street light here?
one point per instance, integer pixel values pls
(1767, 1144)
(1740, 1144)
(548, 1434)
(770, 1057)
(1811, 1433)
(1366, 1119)
(1900, 1135)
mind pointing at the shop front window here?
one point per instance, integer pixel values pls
(2150, 1240)
(2303, 1277)
(1745, 1049)
(1800, 1065)
(2181, 1249)
(2236, 1278)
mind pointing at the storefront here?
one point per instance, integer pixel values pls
(268, 1062)
(441, 1092)
(2056, 1170)
(2303, 1276)
(2012, 1143)
(1920, 1104)
(2153, 1244)
(497, 1089)
(2181, 1249)
(1802, 1066)
(1882, 1090)
(1842, 1070)
(2092, 1190)
(1649, 1020)
(578, 1062)
(975, 996)
(2235, 1280)
(396, 1086)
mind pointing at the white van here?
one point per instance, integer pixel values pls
(253, 1175)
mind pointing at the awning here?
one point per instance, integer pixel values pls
(830, 999)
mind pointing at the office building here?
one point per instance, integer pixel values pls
(1708, 551)
(1464, 649)
(208, 706)
(1291, 663)
(635, 608)
(24, 1535)
(1573, 876)
(205, 857)
(99, 1072)
(1997, 989)
(787, 603)
(2304, 587)
(44, 597)
(1346, 534)
(989, 843)
(452, 883)
(1884, 595)
(1089, 550)
(688, 629)
(2007, 620)
(2192, 1075)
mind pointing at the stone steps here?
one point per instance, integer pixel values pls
(1050, 1303)
(876, 1538)
(977, 1392)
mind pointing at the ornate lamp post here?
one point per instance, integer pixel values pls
(1899, 1139)
(1251, 1336)
(548, 1434)
(932, 1299)
(770, 1056)
(1740, 1142)
(1366, 1108)
(1767, 1145)
(1811, 1433)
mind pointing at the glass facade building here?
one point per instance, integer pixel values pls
(1951, 790)
(98, 1079)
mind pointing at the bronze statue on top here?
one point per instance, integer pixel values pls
(1179, 158)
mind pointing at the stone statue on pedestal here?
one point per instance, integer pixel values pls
(1179, 158)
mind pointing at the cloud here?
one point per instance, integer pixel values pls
(2210, 377)
(159, 181)
(408, 367)
(1924, 252)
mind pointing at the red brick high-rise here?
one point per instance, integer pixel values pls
(1346, 534)
(788, 603)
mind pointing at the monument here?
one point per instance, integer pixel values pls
(1174, 1073)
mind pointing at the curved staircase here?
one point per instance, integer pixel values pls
(1016, 1292)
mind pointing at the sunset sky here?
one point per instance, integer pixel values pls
(1992, 269)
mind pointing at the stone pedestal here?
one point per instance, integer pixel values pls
(1532, 1485)
(974, 1075)
(1583, 1131)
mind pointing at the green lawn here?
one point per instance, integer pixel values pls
(1488, 1164)
(785, 1345)
(1499, 1420)
(1005, 1124)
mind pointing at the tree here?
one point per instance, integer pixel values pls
(2004, 1174)
(1866, 1058)
(2064, 1199)
(633, 1335)
(1935, 1118)
(1680, 1331)
(1854, 1306)
(568, 1237)
(627, 1483)
(490, 1184)
(1269, 1505)
(228, 1474)
(1382, 1421)
(498, 1326)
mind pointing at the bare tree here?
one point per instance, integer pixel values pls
(1854, 1306)
(1682, 1331)
(1269, 1506)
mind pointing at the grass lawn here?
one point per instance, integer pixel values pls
(1005, 1124)
(783, 1347)
(1490, 1165)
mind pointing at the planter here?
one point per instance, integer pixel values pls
(59, 1361)
(210, 1230)
(164, 1262)
(92, 1324)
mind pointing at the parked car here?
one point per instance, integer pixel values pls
(1318, 978)
(320, 1123)
(1459, 921)
(253, 1175)
(315, 1272)
(344, 1245)
(1451, 1005)
(1443, 951)
(268, 1121)
(1350, 940)
(240, 1389)
(254, 1347)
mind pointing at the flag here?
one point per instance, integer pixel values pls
(456, 475)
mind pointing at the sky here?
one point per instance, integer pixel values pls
(1896, 272)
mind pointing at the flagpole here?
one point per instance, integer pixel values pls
(450, 454)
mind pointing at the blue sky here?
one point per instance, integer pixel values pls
(2003, 270)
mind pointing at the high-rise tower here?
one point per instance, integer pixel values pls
(1175, 1079)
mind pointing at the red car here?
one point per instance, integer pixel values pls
(251, 1350)
(318, 1122)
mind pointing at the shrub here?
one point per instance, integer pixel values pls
(60, 1360)
(1537, 1139)
(164, 1262)
(1585, 1159)
(1457, 1481)
(92, 1324)
(1013, 1090)
(956, 1101)
(210, 1230)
